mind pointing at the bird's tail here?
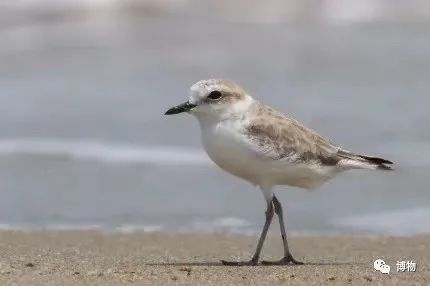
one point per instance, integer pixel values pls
(379, 163)
(365, 162)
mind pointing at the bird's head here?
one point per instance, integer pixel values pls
(214, 98)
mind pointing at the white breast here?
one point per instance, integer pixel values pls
(226, 147)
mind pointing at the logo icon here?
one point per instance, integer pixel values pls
(380, 266)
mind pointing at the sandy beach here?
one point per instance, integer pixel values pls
(95, 258)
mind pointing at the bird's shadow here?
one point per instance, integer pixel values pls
(215, 263)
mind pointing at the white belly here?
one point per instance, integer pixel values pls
(230, 151)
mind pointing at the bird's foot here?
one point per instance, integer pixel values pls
(289, 259)
(251, 262)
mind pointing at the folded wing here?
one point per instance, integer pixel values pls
(275, 136)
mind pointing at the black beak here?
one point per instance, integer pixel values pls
(184, 107)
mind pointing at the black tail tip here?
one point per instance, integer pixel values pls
(381, 163)
(385, 167)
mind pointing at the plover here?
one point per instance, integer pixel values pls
(266, 148)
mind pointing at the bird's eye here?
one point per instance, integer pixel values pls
(214, 95)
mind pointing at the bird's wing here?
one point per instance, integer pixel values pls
(277, 137)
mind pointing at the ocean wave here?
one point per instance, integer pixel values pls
(104, 152)
(222, 224)
(53, 226)
(401, 223)
(133, 228)
(122, 228)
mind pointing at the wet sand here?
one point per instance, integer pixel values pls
(95, 258)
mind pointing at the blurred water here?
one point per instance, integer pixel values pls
(84, 144)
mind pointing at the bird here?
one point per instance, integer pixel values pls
(266, 148)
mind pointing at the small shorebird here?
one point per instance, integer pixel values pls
(266, 148)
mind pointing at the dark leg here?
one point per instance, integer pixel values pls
(288, 258)
(256, 256)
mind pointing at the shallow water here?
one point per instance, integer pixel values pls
(84, 142)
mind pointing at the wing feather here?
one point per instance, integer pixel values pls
(278, 137)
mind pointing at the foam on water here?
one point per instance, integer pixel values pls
(224, 224)
(104, 152)
(133, 228)
(402, 222)
(123, 228)
(48, 226)
(228, 224)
